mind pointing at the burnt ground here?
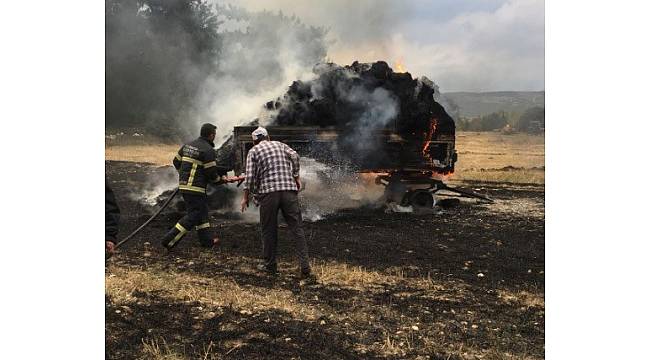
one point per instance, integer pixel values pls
(464, 283)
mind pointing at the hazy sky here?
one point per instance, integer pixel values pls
(471, 45)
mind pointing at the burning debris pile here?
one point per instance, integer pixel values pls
(361, 101)
(361, 96)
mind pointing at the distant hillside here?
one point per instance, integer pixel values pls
(473, 104)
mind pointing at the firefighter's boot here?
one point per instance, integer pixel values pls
(174, 236)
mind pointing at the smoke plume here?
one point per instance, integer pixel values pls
(174, 64)
(262, 53)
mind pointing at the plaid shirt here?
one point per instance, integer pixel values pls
(271, 166)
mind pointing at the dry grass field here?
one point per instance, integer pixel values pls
(485, 157)
(496, 157)
(466, 283)
(142, 149)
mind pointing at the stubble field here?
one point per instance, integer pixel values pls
(465, 282)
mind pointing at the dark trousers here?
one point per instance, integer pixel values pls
(197, 218)
(287, 202)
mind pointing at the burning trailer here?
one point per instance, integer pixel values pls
(363, 118)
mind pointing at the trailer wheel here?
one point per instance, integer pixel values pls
(422, 199)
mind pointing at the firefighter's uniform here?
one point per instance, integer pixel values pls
(112, 223)
(197, 168)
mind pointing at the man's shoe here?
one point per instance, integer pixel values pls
(269, 270)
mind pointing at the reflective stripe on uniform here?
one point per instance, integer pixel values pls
(192, 188)
(178, 157)
(192, 173)
(180, 228)
(190, 160)
(210, 164)
(203, 226)
(181, 232)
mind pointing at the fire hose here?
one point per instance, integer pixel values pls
(239, 181)
(164, 205)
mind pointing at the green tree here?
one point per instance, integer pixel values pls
(462, 124)
(532, 120)
(169, 61)
(493, 121)
(157, 54)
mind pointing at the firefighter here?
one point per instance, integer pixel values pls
(197, 168)
(112, 222)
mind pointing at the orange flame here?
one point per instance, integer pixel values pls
(433, 125)
(443, 175)
(428, 137)
(399, 66)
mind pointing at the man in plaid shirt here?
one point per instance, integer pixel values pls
(272, 175)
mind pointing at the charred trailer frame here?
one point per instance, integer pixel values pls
(407, 166)
(392, 152)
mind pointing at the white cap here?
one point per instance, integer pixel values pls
(259, 132)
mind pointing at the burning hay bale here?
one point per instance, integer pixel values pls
(362, 95)
(382, 119)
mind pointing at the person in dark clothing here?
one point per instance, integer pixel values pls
(272, 174)
(197, 168)
(112, 222)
